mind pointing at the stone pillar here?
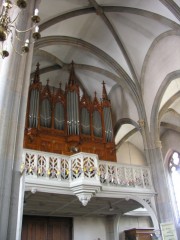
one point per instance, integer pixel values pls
(14, 82)
(111, 227)
(145, 132)
(153, 152)
(163, 202)
(1, 2)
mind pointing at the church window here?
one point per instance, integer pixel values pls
(174, 167)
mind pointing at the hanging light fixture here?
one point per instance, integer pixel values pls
(8, 27)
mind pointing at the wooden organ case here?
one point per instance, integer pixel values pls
(59, 121)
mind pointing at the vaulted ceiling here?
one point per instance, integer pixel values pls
(111, 41)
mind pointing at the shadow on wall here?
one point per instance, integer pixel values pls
(119, 103)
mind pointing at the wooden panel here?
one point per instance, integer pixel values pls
(140, 234)
(60, 145)
(59, 229)
(34, 229)
(46, 228)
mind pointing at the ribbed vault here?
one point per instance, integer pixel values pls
(109, 41)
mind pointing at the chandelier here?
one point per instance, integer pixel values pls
(8, 28)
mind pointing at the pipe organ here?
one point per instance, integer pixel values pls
(60, 121)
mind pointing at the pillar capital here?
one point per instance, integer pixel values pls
(157, 144)
(141, 123)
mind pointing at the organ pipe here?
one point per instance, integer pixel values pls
(45, 115)
(59, 116)
(34, 108)
(97, 126)
(108, 124)
(107, 116)
(85, 121)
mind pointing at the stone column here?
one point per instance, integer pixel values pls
(163, 202)
(14, 81)
(145, 133)
(112, 227)
(154, 157)
(1, 2)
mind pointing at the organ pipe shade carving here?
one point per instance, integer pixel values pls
(34, 108)
(60, 121)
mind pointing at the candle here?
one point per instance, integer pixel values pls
(36, 11)
(36, 29)
(26, 43)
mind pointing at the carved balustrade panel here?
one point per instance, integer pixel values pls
(89, 167)
(76, 168)
(41, 166)
(65, 170)
(53, 170)
(30, 164)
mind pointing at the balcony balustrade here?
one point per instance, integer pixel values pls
(83, 173)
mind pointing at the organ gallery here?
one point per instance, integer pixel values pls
(61, 121)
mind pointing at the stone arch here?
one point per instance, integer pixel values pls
(145, 205)
(123, 76)
(153, 45)
(119, 9)
(122, 121)
(152, 212)
(154, 123)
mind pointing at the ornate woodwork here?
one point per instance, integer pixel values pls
(62, 121)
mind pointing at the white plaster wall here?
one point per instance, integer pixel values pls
(98, 228)
(170, 141)
(123, 104)
(129, 154)
(164, 58)
(89, 228)
(129, 222)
